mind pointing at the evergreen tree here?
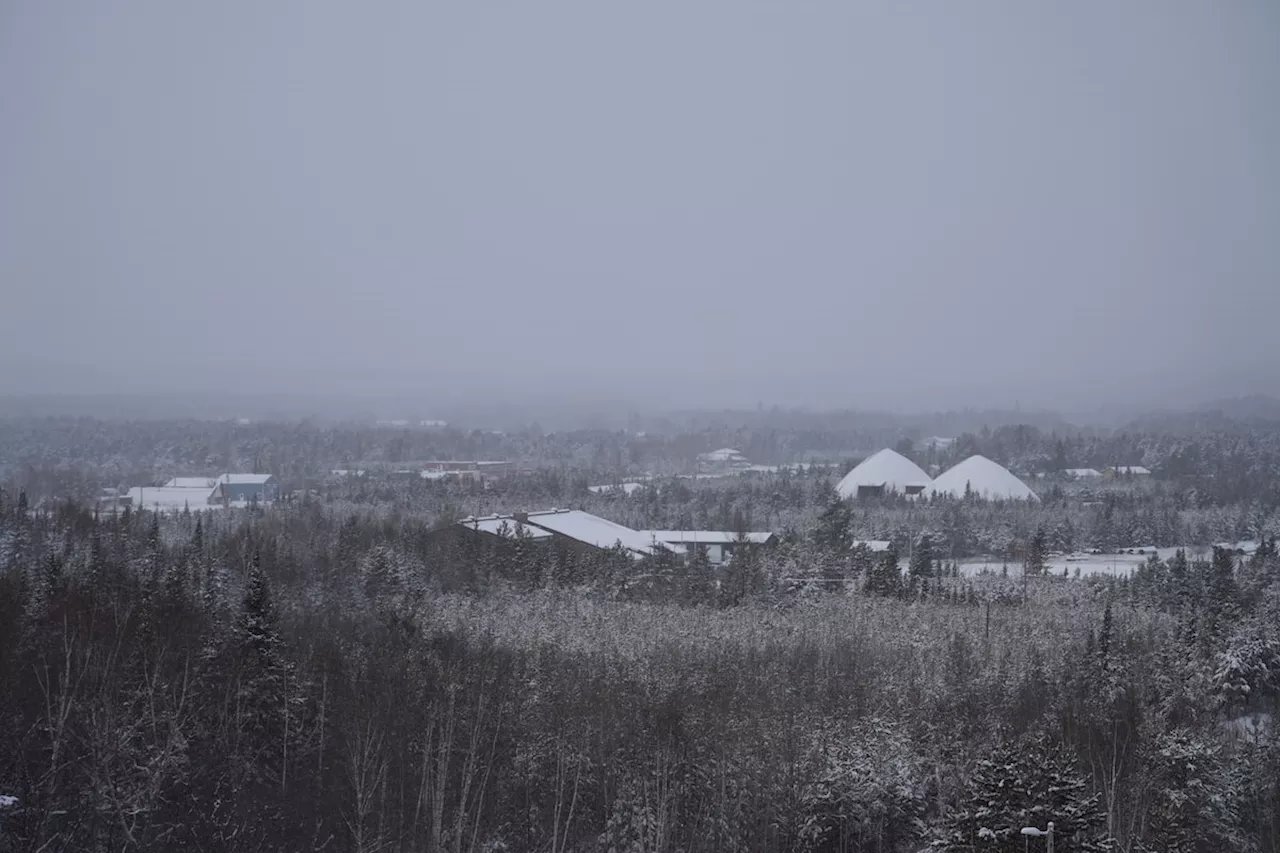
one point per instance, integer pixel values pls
(886, 577)
(1026, 783)
(261, 670)
(832, 534)
(1222, 589)
(862, 564)
(1036, 554)
(920, 565)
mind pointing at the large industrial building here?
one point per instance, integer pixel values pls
(885, 472)
(979, 477)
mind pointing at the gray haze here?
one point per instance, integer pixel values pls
(826, 203)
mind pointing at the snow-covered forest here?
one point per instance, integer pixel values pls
(318, 675)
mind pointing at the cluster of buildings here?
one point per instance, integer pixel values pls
(1113, 471)
(482, 471)
(178, 493)
(584, 533)
(889, 472)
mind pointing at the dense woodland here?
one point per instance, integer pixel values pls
(319, 675)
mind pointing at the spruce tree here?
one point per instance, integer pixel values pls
(1036, 552)
(889, 574)
(920, 565)
(258, 646)
(832, 534)
(862, 564)
(1025, 783)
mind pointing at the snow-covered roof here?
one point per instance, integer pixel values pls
(190, 483)
(1130, 469)
(885, 469)
(243, 479)
(873, 544)
(707, 537)
(626, 488)
(444, 475)
(166, 497)
(504, 525)
(724, 454)
(1082, 472)
(984, 478)
(593, 530)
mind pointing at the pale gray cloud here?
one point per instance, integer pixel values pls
(832, 203)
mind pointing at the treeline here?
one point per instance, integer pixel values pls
(305, 680)
(73, 457)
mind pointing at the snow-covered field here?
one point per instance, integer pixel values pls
(1120, 563)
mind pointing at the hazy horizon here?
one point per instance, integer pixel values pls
(675, 205)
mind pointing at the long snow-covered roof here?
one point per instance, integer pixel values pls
(707, 537)
(984, 478)
(190, 483)
(169, 497)
(243, 479)
(724, 454)
(593, 530)
(505, 525)
(1131, 469)
(887, 469)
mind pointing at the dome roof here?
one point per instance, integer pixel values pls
(886, 470)
(984, 478)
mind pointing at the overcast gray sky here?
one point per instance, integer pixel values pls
(910, 205)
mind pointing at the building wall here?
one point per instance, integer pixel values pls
(261, 492)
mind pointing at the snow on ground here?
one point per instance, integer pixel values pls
(7, 801)
(1120, 563)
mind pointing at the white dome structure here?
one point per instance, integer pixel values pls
(980, 476)
(883, 472)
